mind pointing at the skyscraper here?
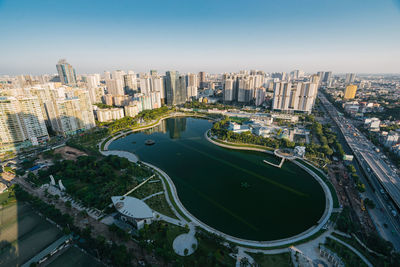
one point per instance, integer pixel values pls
(130, 83)
(229, 88)
(294, 96)
(21, 123)
(191, 82)
(202, 79)
(350, 77)
(66, 72)
(327, 76)
(175, 88)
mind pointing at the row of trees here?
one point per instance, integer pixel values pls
(357, 182)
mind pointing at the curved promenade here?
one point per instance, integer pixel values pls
(244, 242)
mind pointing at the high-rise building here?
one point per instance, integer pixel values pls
(229, 92)
(175, 88)
(191, 83)
(260, 96)
(158, 86)
(118, 75)
(130, 84)
(202, 79)
(294, 96)
(350, 78)
(115, 86)
(66, 72)
(145, 85)
(71, 115)
(107, 75)
(327, 76)
(350, 91)
(96, 94)
(22, 123)
(93, 80)
(245, 86)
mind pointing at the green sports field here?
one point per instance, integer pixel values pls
(23, 234)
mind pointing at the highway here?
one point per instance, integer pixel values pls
(381, 173)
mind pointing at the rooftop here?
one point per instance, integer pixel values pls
(132, 207)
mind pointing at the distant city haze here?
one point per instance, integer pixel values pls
(359, 36)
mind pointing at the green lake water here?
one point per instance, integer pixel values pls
(232, 191)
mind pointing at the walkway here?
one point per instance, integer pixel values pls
(153, 195)
(139, 185)
(129, 156)
(275, 165)
(186, 242)
(366, 261)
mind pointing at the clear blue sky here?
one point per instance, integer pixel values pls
(209, 35)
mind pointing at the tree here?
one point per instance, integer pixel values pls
(186, 251)
(244, 262)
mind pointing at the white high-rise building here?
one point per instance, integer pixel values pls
(158, 86)
(118, 75)
(107, 75)
(93, 80)
(294, 96)
(260, 96)
(71, 115)
(145, 85)
(155, 99)
(191, 83)
(229, 88)
(21, 123)
(115, 87)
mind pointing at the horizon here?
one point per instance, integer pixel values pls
(339, 36)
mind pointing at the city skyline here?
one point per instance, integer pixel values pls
(340, 36)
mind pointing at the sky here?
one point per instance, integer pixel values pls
(215, 36)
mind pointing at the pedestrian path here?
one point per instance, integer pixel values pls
(186, 244)
(366, 261)
(153, 195)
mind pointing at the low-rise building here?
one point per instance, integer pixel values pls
(372, 124)
(238, 128)
(110, 114)
(133, 211)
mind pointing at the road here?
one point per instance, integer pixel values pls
(385, 191)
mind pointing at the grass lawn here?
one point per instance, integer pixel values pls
(160, 204)
(73, 256)
(5, 200)
(274, 260)
(148, 189)
(23, 234)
